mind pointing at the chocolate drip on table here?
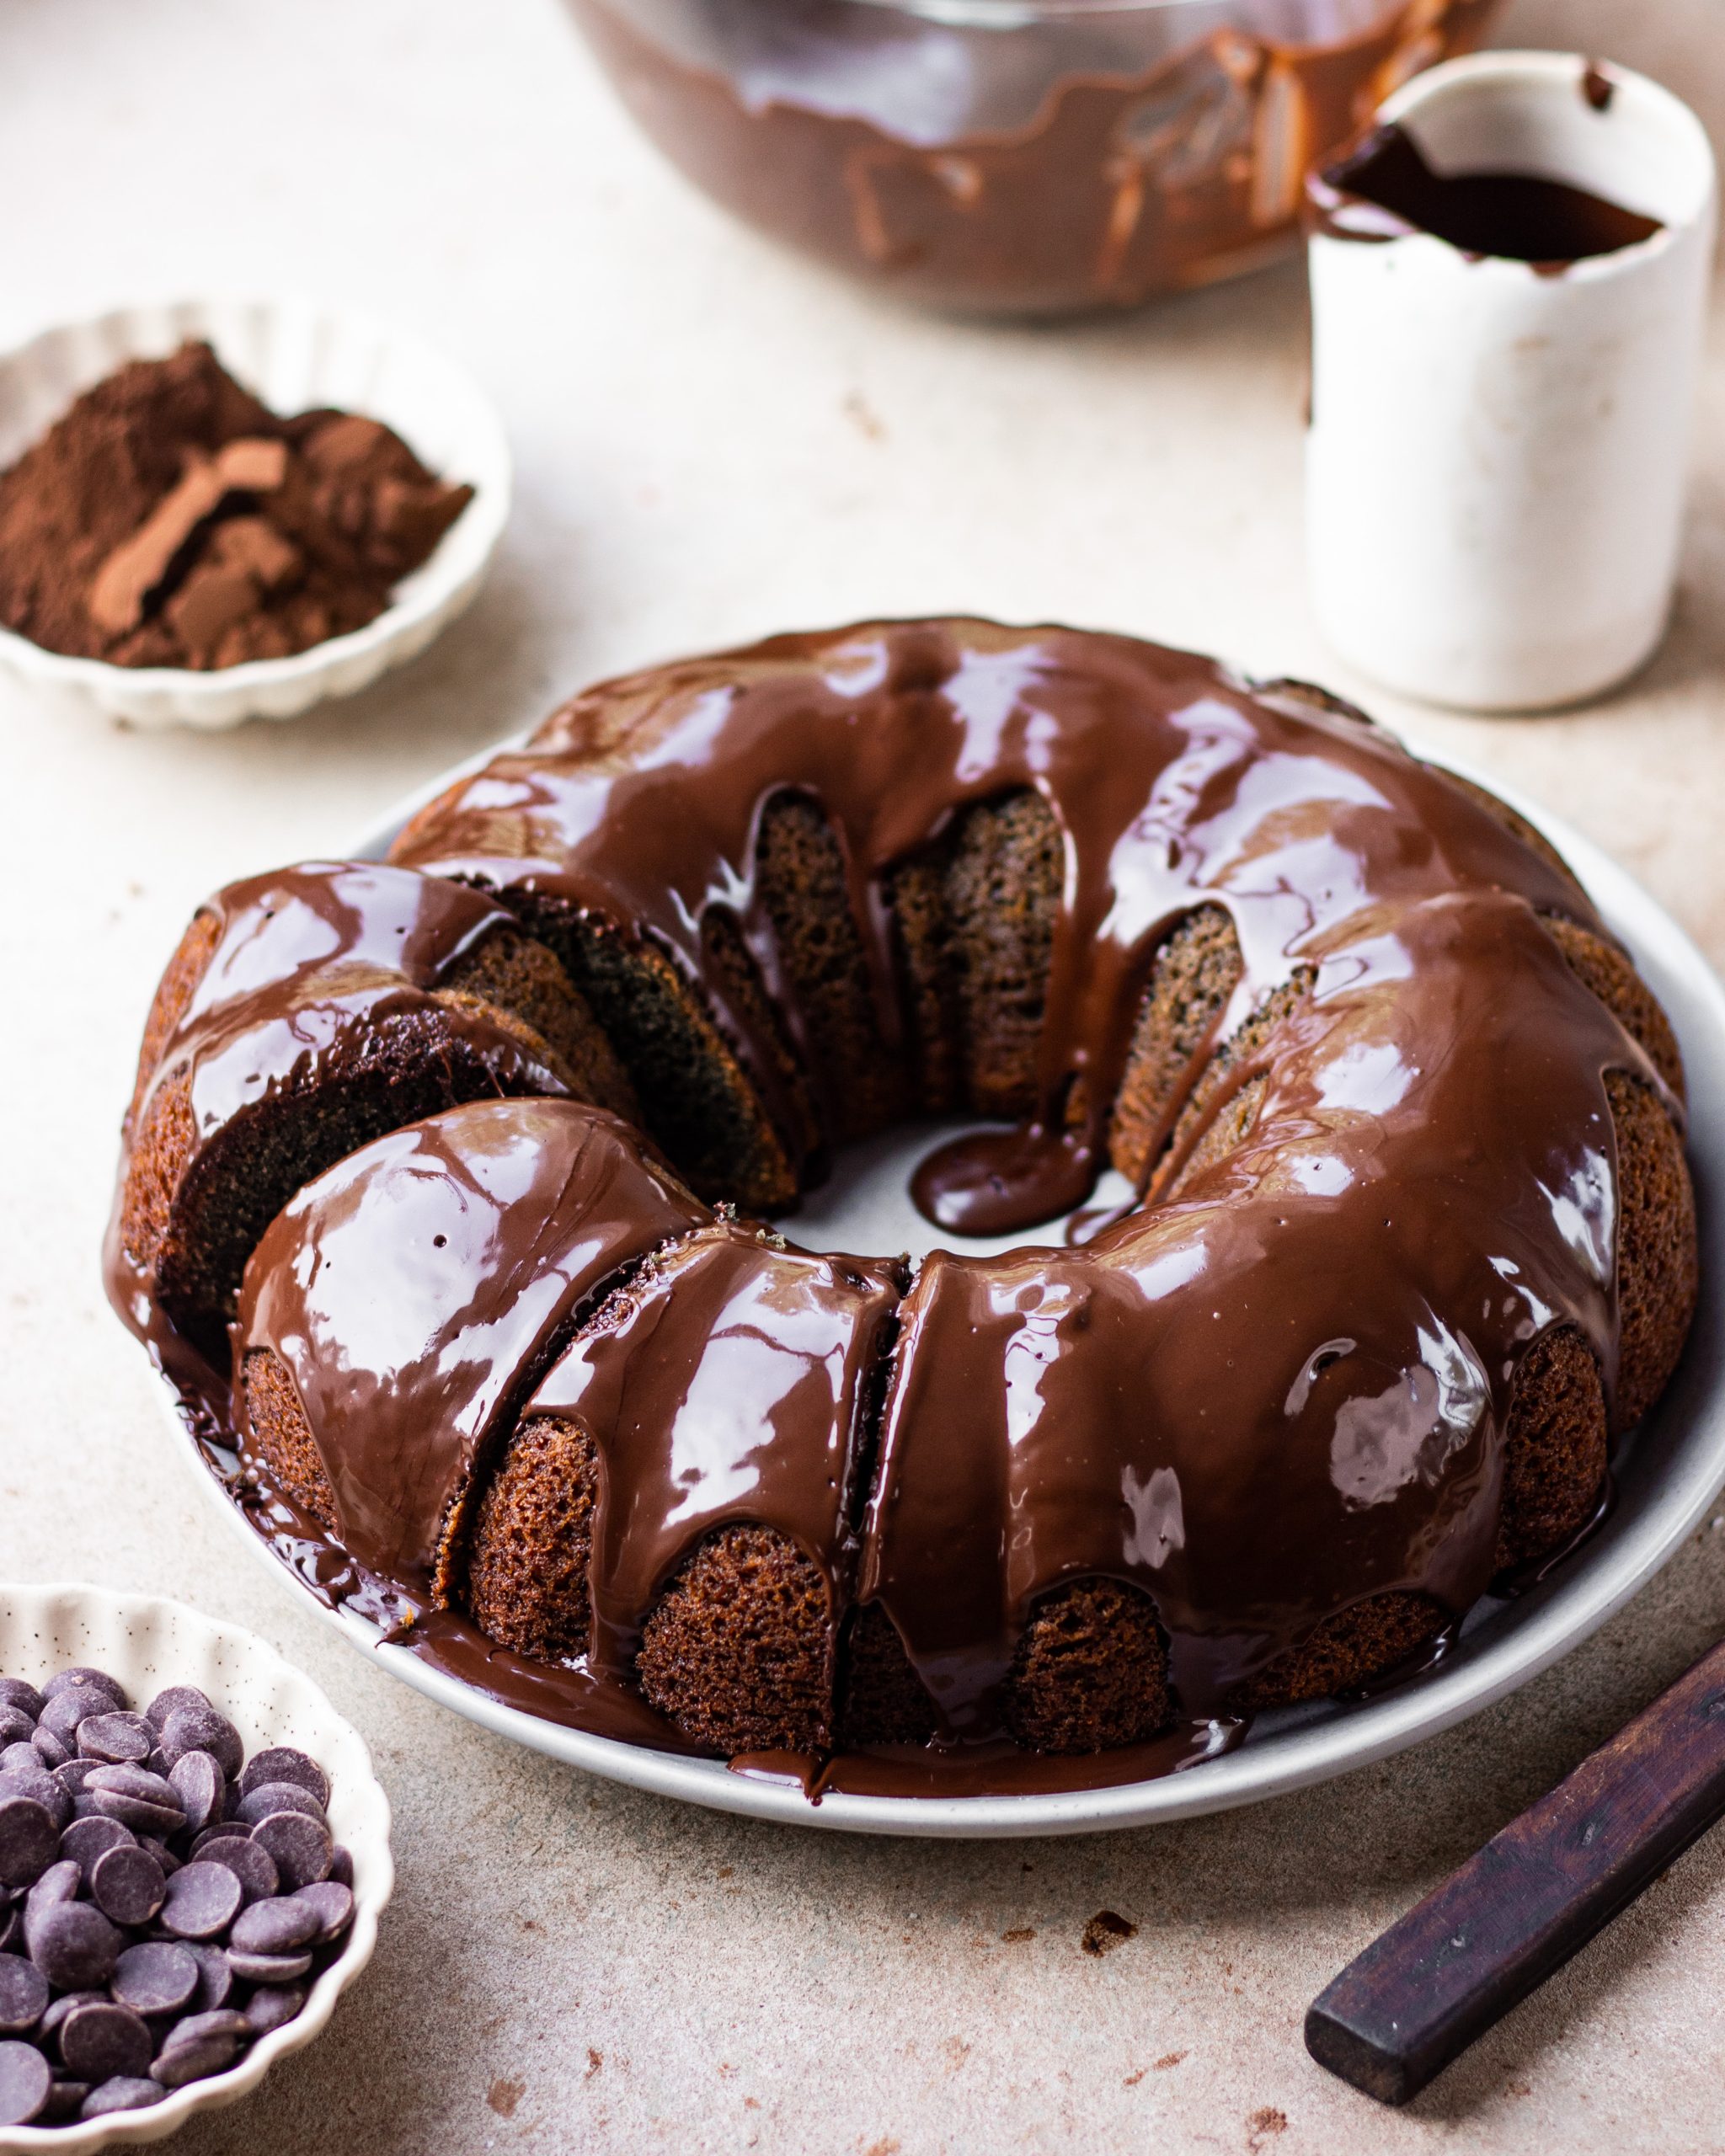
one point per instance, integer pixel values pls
(1386, 189)
(1300, 1373)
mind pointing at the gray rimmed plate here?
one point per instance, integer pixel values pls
(1666, 1482)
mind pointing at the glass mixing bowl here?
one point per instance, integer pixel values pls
(1017, 156)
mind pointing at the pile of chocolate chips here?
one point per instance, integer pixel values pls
(168, 519)
(163, 1899)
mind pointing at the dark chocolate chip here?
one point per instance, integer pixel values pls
(51, 1750)
(23, 1995)
(298, 1845)
(117, 1739)
(41, 1787)
(11, 1931)
(29, 1838)
(158, 1976)
(221, 2021)
(201, 1786)
(138, 1798)
(268, 1968)
(272, 2006)
(341, 1864)
(222, 1830)
(74, 1946)
(129, 1886)
(280, 1763)
(202, 1900)
(24, 2083)
(65, 2101)
(16, 1727)
(254, 1867)
(201, 1728)
(164, 1856)
(281, 1925)
(333, 1903)
(215, 1977)
(73, 1775)
(66, 1710)
(14, 1692)
(81, 1676)
(172, 1697)
(49, 2033)
(100, 2042)
(123, 2094)
(201, 2045)
(86, 1839)
(127, 1779)
(59, 1883)
(266, 1797)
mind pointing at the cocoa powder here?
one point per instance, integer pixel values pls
(170, 519)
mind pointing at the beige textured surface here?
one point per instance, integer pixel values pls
(713, 443)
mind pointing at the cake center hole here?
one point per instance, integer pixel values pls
(865, 1206)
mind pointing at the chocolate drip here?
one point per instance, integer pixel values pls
(414, 1289)
(730, 1383)
(1384, 189)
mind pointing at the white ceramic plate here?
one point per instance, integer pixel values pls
(1667, 1479)
(146, 1642)
(296, 356)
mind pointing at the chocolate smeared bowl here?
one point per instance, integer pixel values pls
(1002, 158)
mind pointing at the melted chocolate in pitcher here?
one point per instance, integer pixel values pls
(1386, 189)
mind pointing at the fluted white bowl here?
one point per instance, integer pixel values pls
(147, 1642)
(296, 355)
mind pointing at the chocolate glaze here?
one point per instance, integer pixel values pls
(415, 1288)
(1073, 163)
(733, 1381)
(1289, 1389)
(1385, 189)
(1282, 1392)
(306, 960)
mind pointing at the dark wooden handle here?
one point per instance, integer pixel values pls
(1500, 1925)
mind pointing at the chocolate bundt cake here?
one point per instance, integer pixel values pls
(1414, 1236)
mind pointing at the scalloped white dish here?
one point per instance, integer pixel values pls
(147, 1642)
(1667, 1477)
(296, 355)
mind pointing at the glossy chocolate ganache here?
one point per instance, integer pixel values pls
(1386, 188)
(1280, 1386)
